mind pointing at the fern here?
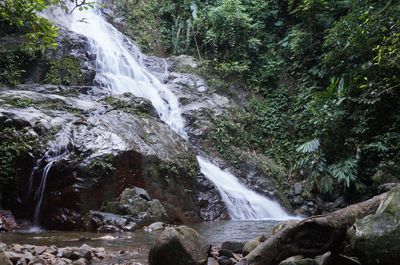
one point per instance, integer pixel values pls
(309, 147)
(345, 171)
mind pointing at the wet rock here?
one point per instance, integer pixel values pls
(376, 238)
(233, 246)
(252, 244)
(7, 221)
(157, 226)
(211, 205)
(108, 222)
(179, 246)
(140, 150)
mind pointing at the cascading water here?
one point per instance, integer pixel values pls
(58, 149)
(241, 202)
(120, 69)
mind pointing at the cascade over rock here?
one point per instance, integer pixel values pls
(110, 148)
(129, 120)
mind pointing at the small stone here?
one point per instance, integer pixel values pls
(81, 261)
(40, 249)
(156, 226)
(17, 248)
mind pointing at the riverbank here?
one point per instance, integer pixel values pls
(138, 243)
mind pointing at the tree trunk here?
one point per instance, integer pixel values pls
(312, 236)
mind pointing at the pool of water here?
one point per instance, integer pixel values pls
(140, 241)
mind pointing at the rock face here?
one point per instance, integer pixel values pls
(101, 160)
(179, 246)
(376, 238)
(7, 221)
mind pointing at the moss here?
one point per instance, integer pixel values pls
(64, 71)
(53, 104)
(20, 102)
(101, 166)
(13, 146)
(131, 106)
(14, 63)
(57, 104)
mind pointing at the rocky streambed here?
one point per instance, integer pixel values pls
(126, 247)
(366, 233)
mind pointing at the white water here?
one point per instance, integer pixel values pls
(120, 69)
(58, 149)
(241, 202)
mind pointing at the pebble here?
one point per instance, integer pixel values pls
(43, 255)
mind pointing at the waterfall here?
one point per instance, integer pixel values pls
(241, 202)
(58, 149)
(120, 69)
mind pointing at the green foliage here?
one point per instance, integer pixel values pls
(22, 15)
(13, 146)
(64, 71)
(339, 61)
(13, 64)
(263, 126)
(101, 166)
(161, 26)
(19, 102)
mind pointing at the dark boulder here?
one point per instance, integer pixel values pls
(179, 246)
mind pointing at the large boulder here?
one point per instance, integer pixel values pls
(376, 237)
(137, 202)
(179, 246)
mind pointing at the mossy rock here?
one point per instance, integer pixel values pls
(376, 238)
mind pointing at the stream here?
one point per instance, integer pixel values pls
(138, 243)
(119, 68)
